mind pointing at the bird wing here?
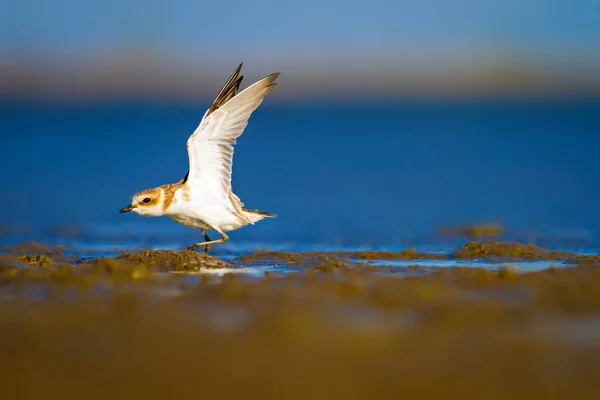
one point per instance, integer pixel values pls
(210, 147)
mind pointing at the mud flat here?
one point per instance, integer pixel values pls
(321, 325)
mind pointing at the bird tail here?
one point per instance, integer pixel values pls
(255, 215)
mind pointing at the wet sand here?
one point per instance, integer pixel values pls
(158, 324)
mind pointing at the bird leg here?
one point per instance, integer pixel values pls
(209, 242)
(207, 239)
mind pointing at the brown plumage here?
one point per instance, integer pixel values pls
(169, 193)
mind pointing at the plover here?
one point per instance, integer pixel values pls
(203, 199)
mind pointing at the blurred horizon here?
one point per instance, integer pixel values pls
(333, 49)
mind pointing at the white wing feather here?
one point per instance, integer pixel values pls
(210, 147)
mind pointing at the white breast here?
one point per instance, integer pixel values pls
(203, 211)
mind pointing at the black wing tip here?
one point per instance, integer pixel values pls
(228, 91)
(238, 69)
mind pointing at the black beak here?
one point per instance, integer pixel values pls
(126, 209)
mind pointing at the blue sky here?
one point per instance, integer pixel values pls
(74, 27)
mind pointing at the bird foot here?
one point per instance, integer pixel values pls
(195, 246)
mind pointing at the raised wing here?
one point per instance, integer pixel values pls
(210, 148)
(229, 90)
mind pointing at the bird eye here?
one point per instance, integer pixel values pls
(147, 200)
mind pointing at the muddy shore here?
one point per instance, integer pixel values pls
(157, 324)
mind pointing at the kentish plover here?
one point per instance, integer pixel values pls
(203, 199)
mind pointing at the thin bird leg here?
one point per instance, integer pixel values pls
(206, 238)
(223, 239)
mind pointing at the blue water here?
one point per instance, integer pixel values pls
(353, 174)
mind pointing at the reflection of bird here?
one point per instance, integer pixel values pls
(203, 199)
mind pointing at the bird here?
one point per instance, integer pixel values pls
(204, 199)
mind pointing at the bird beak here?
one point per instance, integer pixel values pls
(126, 209)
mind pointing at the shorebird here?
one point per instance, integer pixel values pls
(203, 199)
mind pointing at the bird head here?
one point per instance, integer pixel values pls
(148, 203)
